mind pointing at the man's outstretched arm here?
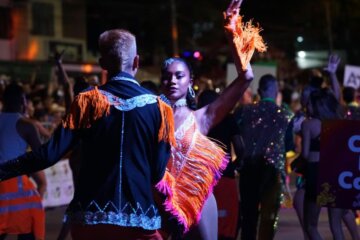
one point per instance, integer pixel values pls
(43, 157)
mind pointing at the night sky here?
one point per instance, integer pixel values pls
(200, 24)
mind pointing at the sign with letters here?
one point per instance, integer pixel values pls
(338, 182)
(60, 186)
(352, 76)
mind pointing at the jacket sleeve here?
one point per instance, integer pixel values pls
(162, 158)
(45, 156)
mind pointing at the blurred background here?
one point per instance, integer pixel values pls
(299, 35)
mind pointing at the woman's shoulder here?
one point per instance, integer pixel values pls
(310, 122)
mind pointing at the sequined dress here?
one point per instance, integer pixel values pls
(193, 170)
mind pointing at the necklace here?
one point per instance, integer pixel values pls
(179, 103)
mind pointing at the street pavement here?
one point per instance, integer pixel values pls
(289, 227)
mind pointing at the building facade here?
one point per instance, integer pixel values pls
(32, 30)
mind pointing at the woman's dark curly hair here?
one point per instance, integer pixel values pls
(324, 105)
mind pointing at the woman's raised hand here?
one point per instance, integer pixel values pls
(232, 12)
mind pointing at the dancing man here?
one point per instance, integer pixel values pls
(126, 134)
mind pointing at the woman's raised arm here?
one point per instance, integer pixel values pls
(243, 41)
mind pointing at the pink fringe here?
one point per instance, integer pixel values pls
(165, 188)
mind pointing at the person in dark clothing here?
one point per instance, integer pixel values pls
(126, 133)
(262, 126)
(322, 105)
(80, 84)
(289, 136)
(351, 106)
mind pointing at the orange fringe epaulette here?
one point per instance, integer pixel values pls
(167, 127)
(87, 107)
(246, 38)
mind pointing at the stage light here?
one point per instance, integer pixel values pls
(86, 68)
(197, 54)
(301, 54)
(186, 54)
(299, 39)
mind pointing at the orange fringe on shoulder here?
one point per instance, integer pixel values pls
(167, 128)
(87, 107)
(246, 39)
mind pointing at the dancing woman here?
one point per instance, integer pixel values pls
(196, 162)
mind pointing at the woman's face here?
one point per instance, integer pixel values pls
(176, 81)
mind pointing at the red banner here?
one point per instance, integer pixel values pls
(339, 167)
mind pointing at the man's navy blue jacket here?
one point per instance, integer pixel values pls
(122, 159)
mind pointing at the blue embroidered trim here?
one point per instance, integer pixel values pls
(19, 207)
(20, 194)
(127, 217)
(131, 103)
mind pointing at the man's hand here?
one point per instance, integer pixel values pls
(333, 63)
(58, 56)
